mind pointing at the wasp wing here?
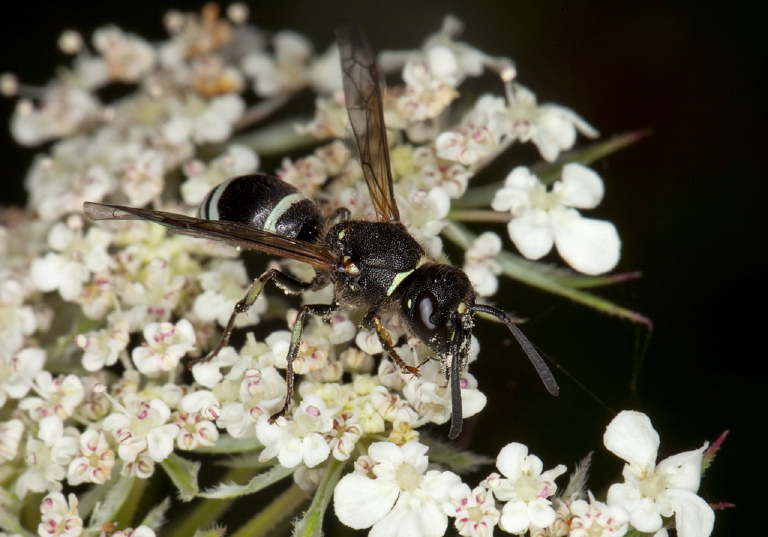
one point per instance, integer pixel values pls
(231, 232)
(363, 90)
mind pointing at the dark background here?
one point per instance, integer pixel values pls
(686, 202)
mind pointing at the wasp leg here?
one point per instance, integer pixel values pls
(320, 310)
(374, 319)
(342, 214)
(287, 283)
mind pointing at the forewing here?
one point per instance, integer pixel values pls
(363, 90)
(233, 233)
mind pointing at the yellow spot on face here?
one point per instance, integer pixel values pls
(342, 233)
(462, 308)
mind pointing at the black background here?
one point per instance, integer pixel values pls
(686, 202)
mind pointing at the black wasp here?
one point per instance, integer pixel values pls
(374, 266)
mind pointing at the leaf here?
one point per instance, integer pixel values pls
(107, 511)
(156, 516)
(183, 474)
(213, 532)
(228, 444)
(259, 482)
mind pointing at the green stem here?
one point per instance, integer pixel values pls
(311, 524)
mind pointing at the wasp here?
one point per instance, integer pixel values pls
(374, 266)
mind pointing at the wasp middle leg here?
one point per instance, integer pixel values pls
(288, 284)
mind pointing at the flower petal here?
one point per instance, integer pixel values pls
(693, 516)
(683, 471)
(625, 496)
(540, 513)
(514, 517)
(589, 246)
(579, 187)
(360, 502)
(511, 458)
(532, 233)
(632, 437)
(646, 517)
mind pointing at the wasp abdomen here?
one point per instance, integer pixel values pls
(265, 202)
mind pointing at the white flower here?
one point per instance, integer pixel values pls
(59, 517)
(59, 396)
(542, 218)
(16, 319)
(652, 491)
(204, 121)
(430, 84)
(155, 290)
(550, 127)
(480, 263)
(75, 258)
(143, 467)
(165, 345)
(10, 438)
(48, 457)
(474, 510)
(344, 436)
(525, 489)
(102, 348)
(302, 439)
(194, 431)
(596, 519)
(94, 461)
(223, 286)
(17, 372)
(144, 178)
(141, 426)
(64, 110)
(128, 57)
(400, 498)
(480, 133)
(286, 71)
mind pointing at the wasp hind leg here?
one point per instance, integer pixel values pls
(320, 310)
(288, 284)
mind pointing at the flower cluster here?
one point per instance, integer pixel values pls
(98, 322)
(393, 492)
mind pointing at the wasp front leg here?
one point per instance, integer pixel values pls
(287, 283)
(321, 310)
(374, 319)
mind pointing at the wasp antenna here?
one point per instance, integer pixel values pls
(538, 362)
(457, 414)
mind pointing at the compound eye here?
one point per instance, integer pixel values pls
(430, 333)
